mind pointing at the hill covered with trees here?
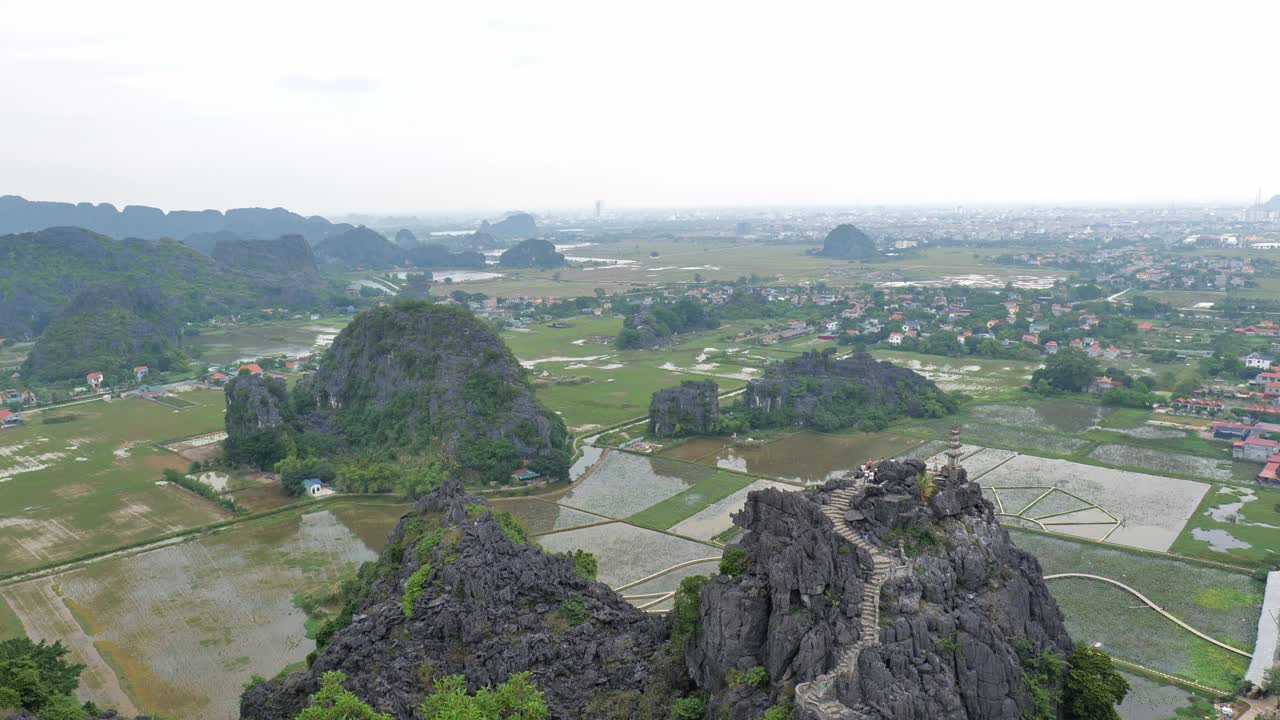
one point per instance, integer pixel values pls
(406, 393)
(40, 272)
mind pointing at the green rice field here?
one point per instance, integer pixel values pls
(75, 487)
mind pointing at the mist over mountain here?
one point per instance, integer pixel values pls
(515, 225)
(17, 214)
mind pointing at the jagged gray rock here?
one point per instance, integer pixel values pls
(949, 621)
(690, 408)
(490, 608)
(820, 391)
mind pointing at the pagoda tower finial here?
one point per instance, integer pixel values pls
(953, 451)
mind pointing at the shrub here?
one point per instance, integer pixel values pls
(688, 708)
(585, 565)
(575, 611)
(756, 677)
(778, 712)
(515, 699)
(334, 702)
(1094, 686)
(414, 587)
(733, 562)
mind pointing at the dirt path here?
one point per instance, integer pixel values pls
(32, 603)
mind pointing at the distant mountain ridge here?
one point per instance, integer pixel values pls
(17, 215)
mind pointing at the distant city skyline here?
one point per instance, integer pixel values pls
(416, 109)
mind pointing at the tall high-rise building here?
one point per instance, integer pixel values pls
(599, 208)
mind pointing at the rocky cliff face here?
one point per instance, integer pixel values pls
(847, 241)
(901, 602)
(432, 379)
(690, 408)
(257, 420)
(817, 390)
(459, 591)
(285, 265)
(532, 253)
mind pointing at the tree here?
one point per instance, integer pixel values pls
(36, 672)
(1271, 680)
(294, 470)
(1069, 370)
(515, 699)
(334, 702)
(1094, 686)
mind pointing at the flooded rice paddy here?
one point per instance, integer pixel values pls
(181, 629)
(805, 457)
(1152, 509)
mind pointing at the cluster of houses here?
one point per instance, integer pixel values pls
(1143, 267)
(218, 375)
(1254, 443)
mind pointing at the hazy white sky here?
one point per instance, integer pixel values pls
(433, 106)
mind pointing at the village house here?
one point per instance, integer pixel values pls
(314, 487)
(1254, 449)
(94, 379)
(140, 372)
(1103, 384)
(1196, 406)
(9, 419)
(1257, 360)
(895, 338)
(1051, 347)
(251, 369)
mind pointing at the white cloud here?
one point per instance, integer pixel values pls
(328, 107)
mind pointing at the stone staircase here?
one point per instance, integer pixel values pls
(817, 697)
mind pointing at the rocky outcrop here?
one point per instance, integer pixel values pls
(405, 238)
(690, 408)
(284, 267)
(257, 420)
(818, 390)
(288, 256)
(514, 225)
(432, 380)
(360, 248)
(902, 602)
(532, 253)
(487, 605)
(848, 242)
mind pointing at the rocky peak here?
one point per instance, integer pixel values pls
(897, 598)
(690, 408)
(459, 590)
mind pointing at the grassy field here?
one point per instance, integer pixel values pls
(683, 261)
(13, 353)
(678, 507)
(10, 625)
(983, 378)
(1234, 524)
(1220, 603)
(179, 630)
(74, 487)
(592, 385)
(224, 345)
